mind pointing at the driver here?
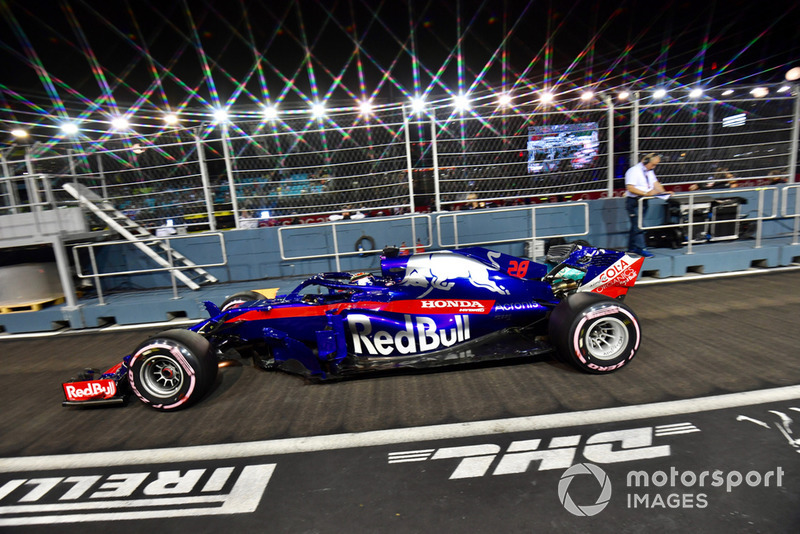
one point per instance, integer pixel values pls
(362, 279)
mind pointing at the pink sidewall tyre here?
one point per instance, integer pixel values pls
(172, 370)
(594, 333)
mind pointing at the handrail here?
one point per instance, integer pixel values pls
(796, 215)
(171, 268)
(533, 235)
(334, 225)
(725, 192)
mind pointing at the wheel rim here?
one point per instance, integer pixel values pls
(607, 338)
(161, 376)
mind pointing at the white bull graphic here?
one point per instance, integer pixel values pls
(438, 270)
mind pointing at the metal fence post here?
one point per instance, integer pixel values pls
(610, 170)
(33, 189)
(64, 274)
(796, 231)
(760, 223)
(635, 129)
(103, 188)
(229, 171)
(72, 171)
(97, 283)
(795, 135)
(172, 277)
(48, 191)
(336, 248)
(710, 127)
(29, 160)
(435, 154)
(201, 161)
(4, 161)
(406, 126)
(13, 200)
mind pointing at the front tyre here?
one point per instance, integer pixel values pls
(172, 370)
(594, 333)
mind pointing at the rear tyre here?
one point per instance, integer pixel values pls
(236, 300)
(594, 333)
(172, 370)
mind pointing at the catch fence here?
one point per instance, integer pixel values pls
(304, 169)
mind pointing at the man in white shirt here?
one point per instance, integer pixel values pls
(641, 181)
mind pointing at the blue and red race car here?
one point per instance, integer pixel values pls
(423, 310)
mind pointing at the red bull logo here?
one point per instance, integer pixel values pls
(421, 334)
(439, 270)
(90, 389)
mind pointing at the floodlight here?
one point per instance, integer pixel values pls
(318, 110)
(221, 115)
(461, 102)
(418, 104)
(69, 128)
(120, 123)
(365, 106)
(270, 113)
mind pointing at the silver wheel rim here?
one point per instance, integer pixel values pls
(161, 376)
(606, 338)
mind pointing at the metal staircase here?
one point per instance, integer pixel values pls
(156, 249)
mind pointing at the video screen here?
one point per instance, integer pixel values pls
(562, 147)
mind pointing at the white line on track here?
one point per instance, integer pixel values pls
(397, 435)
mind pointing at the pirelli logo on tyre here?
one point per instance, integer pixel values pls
(89, 496)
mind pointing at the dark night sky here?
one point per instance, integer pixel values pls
(159, 52)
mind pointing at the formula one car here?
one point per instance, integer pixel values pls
(424, 310)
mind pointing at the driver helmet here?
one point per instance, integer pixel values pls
(362, 279)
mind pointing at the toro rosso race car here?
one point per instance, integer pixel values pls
(424, 310)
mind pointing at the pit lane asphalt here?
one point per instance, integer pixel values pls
(701, 338)
(706, 339)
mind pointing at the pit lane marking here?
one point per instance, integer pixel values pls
(398, 435)
(243, 498)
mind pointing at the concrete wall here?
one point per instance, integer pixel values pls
(255, 253)
(254, 256)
